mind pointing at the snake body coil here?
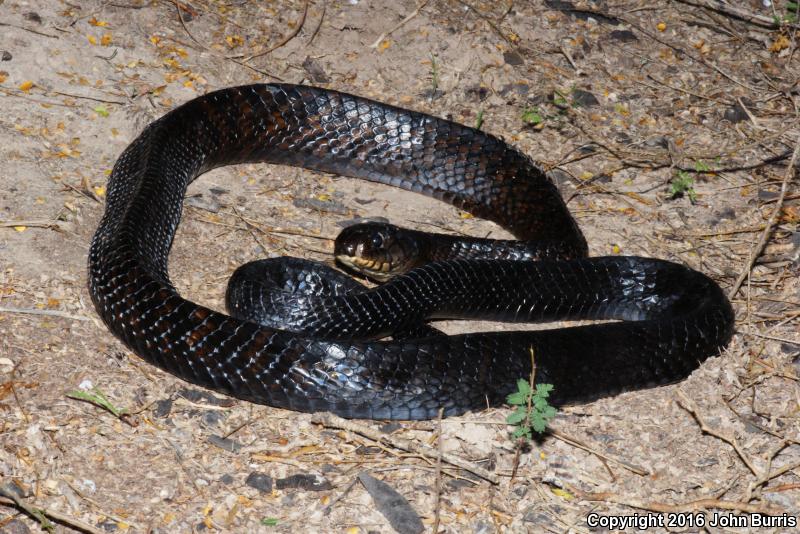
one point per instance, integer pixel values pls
(673, 317)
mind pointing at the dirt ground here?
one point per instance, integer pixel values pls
(669, 128)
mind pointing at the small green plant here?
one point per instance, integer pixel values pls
(683, 184)
(434, 75)
(533, 411)
(702, 166)
(479, 120)
(559, 99)
(270, 521)
(98, 398)
(791, 12)
(531, 116)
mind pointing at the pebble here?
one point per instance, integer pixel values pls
(260, 481)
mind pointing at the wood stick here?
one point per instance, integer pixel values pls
(333, 421)
(762, 242)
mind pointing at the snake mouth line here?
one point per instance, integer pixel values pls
(380, 271)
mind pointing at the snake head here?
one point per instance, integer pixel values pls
(378, 251)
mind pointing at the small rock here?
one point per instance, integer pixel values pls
(315, 70)
(512, 57)
(203, 203)
(226, 444)
(394, 507)
(33, 17)
(163, 408)
(457, 484)
(15, 526)
(625, 36)
(482, 526)
(226, 479)
(737, 113)
(212, 418)
(304, 482)
(388, 428)
(538, 518)
(198, 396)
(584, 98)
(480, 93)
(6, 56)
(260, 481)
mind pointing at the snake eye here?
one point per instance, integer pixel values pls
(377, 241)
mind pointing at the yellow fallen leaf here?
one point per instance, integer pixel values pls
(661, 26)
(586, 175)
(779, 44)
(92, 39)
(94, 22)
(100, 190)
(3, 76)
(155, 39)
(323, 197)
(386, 43)
(615, 249)
(20, 228)
(234, 40)
(105, 40)
(562, 493)
(465, 215)
(26, 86)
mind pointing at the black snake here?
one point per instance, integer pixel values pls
(673, 317)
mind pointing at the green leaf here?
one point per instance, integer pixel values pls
(517, 398)
(516, 417)
(270, 521)
(792, 6)
(101, 110)
(479, 120)
(549, 413)
(701, 166)
(543, 390)
(531, 116)
(96, 397)
(522, 431)
(523, 386)
(538, 423)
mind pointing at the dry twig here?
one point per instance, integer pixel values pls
(51, 313)
(438, 505)
(762, 242)
(41, 515)
(286, 39)
(333, 421)
(403, 22)
(735, 12)
(687, 404)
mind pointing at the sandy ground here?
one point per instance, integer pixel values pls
(624, 104)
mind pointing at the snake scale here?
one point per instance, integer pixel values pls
(670, 317)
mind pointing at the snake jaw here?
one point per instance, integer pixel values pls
(380, 272)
